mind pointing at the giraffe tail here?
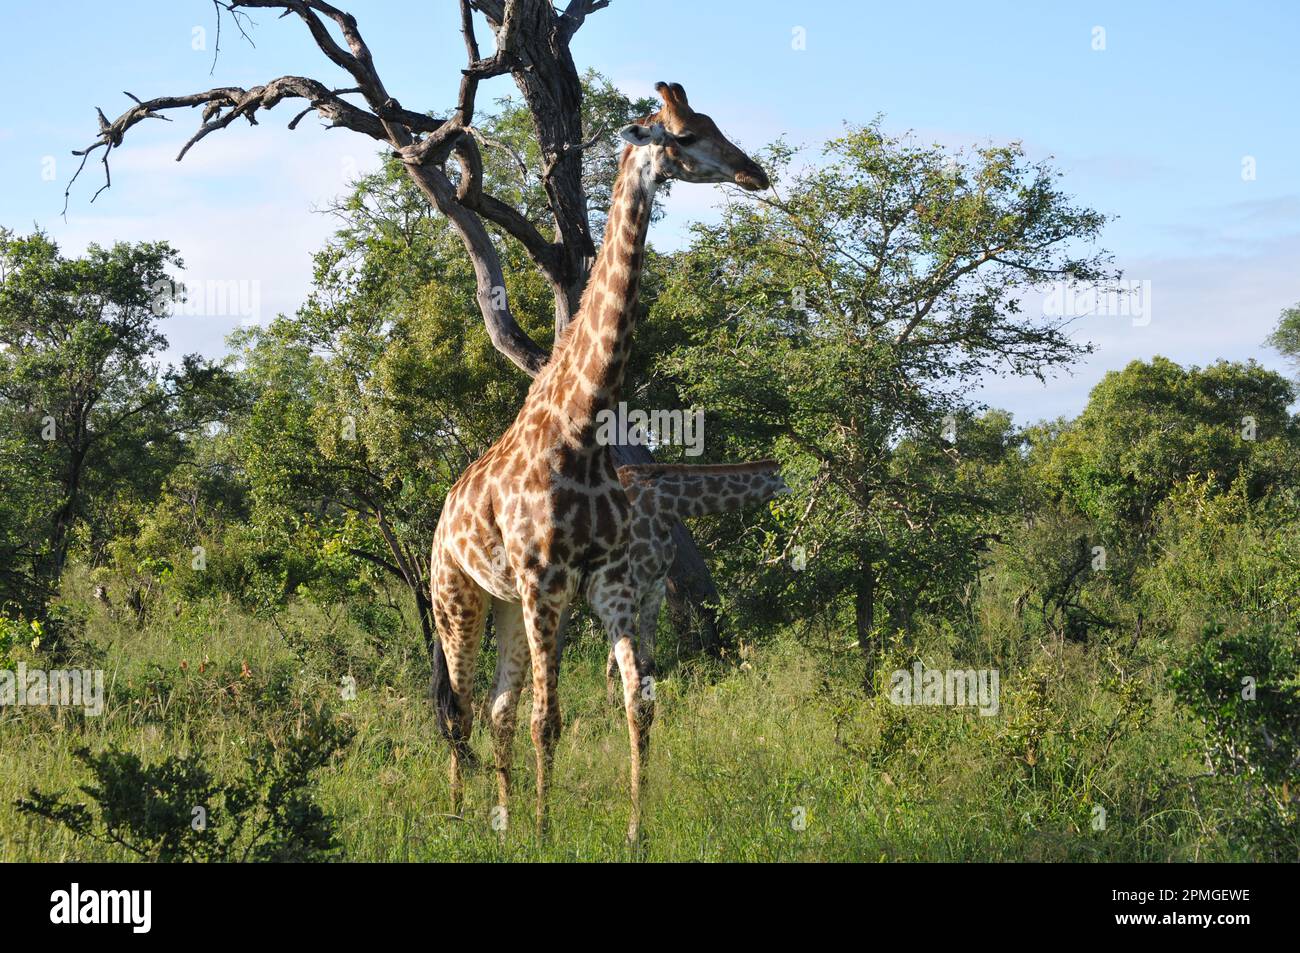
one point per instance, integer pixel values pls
(444, 702)
(447, 707)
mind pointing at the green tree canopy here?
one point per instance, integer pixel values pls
(842, 325)
(1286, 336)
(1153, 424)
(92, 424)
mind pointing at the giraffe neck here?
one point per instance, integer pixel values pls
(587, 372)
(677, 491)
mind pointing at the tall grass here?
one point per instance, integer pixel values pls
(781, 758)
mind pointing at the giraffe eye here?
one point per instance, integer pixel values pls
(686, 139)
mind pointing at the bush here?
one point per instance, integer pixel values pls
(1244, 688)
(177, 811)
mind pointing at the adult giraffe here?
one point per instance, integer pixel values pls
(542, 514)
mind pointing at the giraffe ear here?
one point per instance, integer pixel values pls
(640, 135)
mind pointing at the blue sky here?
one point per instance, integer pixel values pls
(1155, 129)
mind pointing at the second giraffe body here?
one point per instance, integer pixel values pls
(659, 495)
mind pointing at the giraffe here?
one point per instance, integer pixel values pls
(661, 493)
(542, 517)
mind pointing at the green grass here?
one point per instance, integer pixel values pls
(737, 753)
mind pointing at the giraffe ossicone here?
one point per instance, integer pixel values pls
(542, 516)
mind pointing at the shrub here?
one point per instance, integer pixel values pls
(1244, 688)
(177, 811)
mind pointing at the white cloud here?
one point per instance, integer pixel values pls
(1204, 307)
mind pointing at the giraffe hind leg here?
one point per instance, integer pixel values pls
(616, 603)
(639, 712)
(647, 630)
(459, 610)
(647, 668)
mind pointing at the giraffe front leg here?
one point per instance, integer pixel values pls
(545, 725)
(637, 726)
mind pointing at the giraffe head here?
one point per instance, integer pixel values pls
(689, 146)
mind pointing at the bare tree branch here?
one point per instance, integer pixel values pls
(235, 15)
(545, 254)
(575, 13)
(239, 102)
(506, 334)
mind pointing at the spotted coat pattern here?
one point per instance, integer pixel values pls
(662, 494)
(542, 517)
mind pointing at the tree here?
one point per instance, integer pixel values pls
(1286, 336)
(29, 497)
(841, 327)
(1154, 424)
(532, 46)
(91, 425)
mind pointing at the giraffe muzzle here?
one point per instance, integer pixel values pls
(752, 179)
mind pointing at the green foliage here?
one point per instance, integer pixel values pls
(26, 505)
(1286, 336)
(90, 427)
(837, 328)
(16, 634)
(1150, 426)
(1221, 554)
(1057, 572)
(177, 811)
(1244, 687)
